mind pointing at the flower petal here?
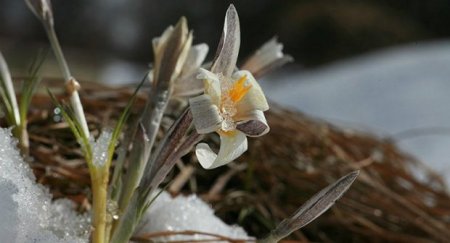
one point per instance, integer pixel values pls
(267, 58)
(195, 58)
(253, 124)
(211, 84)
(182, 56)
(206, 115)
(254, 99)
(231, 147)
(158, 42)
(228, 49)
(187, 84)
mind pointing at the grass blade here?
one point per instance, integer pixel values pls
(8, 94)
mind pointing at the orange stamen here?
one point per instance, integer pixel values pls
(239, 89)
(226, 133)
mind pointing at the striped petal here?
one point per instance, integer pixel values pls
(231, 146)
(171, 53)
(205, 114)
(228, 49)
(254, 124)
(159, 42)
(254, 99)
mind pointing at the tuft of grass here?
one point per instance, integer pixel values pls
(99, 172)
(16, 112)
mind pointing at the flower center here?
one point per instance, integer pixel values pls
(232, 93)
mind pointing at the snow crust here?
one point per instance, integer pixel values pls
(26, 211)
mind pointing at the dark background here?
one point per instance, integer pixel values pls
(315, 32)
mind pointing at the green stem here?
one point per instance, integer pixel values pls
(99, 201)
(24, 143)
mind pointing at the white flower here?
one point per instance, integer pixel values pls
(171, 50)
(186, 67)
(233, 102)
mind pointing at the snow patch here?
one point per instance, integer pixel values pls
(26, 210)
(100, 148)
(28, 215)
(185, 213)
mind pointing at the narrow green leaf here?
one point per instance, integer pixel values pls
(117, 174)
(29, 86)
(76, 128)
(122, 119)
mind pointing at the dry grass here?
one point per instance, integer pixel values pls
(297, 158)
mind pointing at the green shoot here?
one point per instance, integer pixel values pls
(99, 172)
(27, 91)
(9, 102)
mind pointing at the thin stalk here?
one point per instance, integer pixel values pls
(54, 42)
(99, 202)
(69, 80)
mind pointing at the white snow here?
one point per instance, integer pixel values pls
(100, 148)
(28, 215)
(26, 211)
(186, 213)
(386, 92)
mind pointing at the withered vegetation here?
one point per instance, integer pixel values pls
(300, 156)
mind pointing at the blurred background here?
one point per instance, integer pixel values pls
(379, 66)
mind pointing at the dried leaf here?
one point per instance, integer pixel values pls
(312, 208)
